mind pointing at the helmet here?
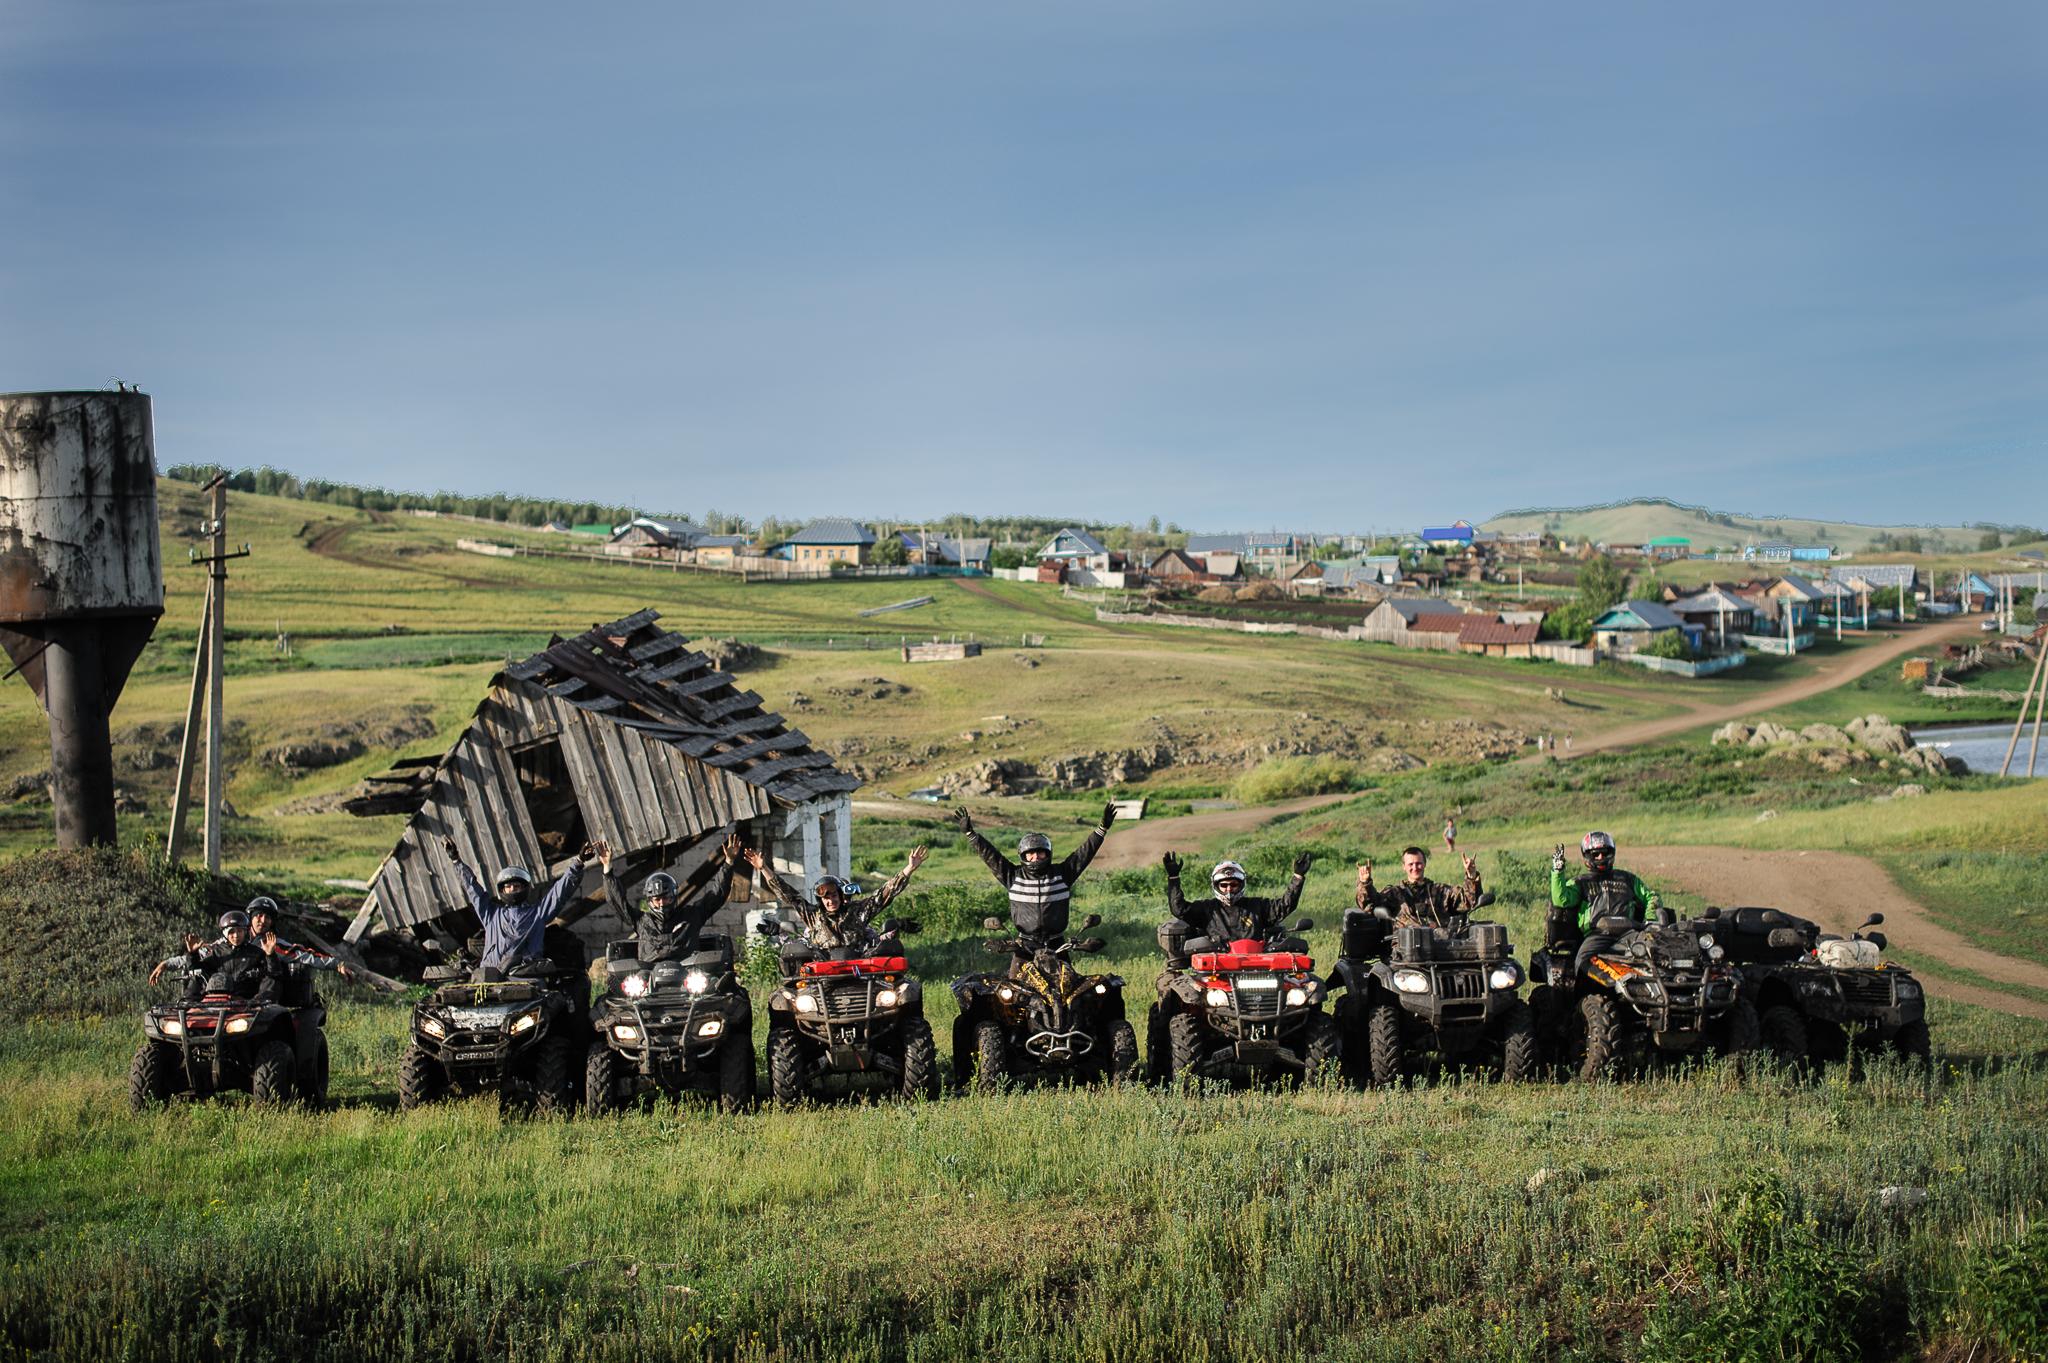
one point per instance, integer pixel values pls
(1034, 842)
(832, 883)
(234, 918)
(518, 873)
(1597, 848)
(262, 903)
(660, 883)
(1227, 870)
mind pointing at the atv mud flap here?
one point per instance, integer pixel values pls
(1259, 1053)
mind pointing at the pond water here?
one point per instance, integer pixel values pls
(1983, 746)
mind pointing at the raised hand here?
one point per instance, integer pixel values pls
(193, 941)
(964, 819)
(730, 848)
(346, 973)
(1109, 814)
(1302, 863)
(269, 944)
(1171, 861)
(1471, 868)
(1365, 872)
(752, 856)
(1557, 858)
(448, 846)
(917, 857)
(157, 973)
(589, 852)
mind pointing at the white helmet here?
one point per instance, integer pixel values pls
(1228, 870)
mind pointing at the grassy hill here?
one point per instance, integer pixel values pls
(1649, 517)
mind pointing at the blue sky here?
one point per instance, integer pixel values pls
(1234, 266)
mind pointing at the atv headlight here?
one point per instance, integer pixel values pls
(633, 986)
(696, 982)
(1102, 989)
(1504, 976)
(887, 998)
(626, 1033)
(173, 1027)
(1411, 981)
(1906, 989)
(1217, 998)
(1006, 992)
(433, 1027)
(1715, 953)
(1706, 939)
(527, 1022)
(238, 1024)
(805, 1003)
(711, 1028)
(1296, 997)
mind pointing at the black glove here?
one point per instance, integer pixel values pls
(964, 819)
(1557, 858)
(1171, 861)
(1302, 863)
(1108, 815)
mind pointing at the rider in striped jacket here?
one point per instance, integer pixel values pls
(1040, 889)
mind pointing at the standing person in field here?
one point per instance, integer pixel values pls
(1231, 915)
(1041, 889)
(835, 921)
(1418, 899)
(515, 923)
(667, 924)
(1600, 892)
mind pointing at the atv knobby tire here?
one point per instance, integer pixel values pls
(1784, 1034)
(991, 1057)
(420, 1079)
(1383, 1041)
(1123, 1052)
(1184, 1044)
(1741, 1033)
(601, 1073)
(785, 1067)
(1521, 1058)
(153, 1075)
(920, 1061)
(1599, 1038)
(1913, 1041)
(1158, 1049)
(735, 1074)
(555, 1072)
(312, 1079)
(270, 1077)
(1323, 1048)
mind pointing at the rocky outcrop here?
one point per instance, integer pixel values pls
(1769, 735)
(1077, 771)
(1825, 733)
(727, 655)
(1393, 759)
(1879, 734)
(1734, 731)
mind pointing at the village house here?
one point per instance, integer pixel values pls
(1393, 620)
(1631, 625)
(1222, 554)
(944, 551)
(1720, 615)
(719, 551)
(644, 534)
(1073, 549)
(1176, 567)
(1666, 547)
(824, 543)
(1450, 538)
(1494, 637)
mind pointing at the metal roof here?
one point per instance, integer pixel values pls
(1411, 607)
(1877, 575)
(1443, 622)
(1216, 544)
(1802, 590)
(1713, 601)
(1085, 542)
(1448, 532)
(832, 532)
(1651, 614)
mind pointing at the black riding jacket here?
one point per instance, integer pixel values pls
(1249, 919)
(666, 934)
(244, 972)
(1039, 895)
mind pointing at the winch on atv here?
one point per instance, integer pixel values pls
(671, 1026)
(1044, 1017)
(846, 1020)
(1255, 1007)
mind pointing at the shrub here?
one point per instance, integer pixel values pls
(1288, 778)
(1006, 557)
(1569, 623)
(1668, 643)
(2007, 1289)
(1520, 878)
(956, 908)
(80, 929)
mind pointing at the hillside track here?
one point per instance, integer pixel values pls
(1143, 843)
(328, 544)
(1826, 679)
(1837, 891)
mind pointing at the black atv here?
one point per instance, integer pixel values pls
(1663, 988)
(1048, 1018)
(1414, 991)
(1254, 1008)
(271, 1051)
(1819, 995)
(671, 1025)
(524, 1037)
(841, 1019)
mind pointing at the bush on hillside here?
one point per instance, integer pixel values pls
(80, 929)
(1669, 643)
(1288, 778)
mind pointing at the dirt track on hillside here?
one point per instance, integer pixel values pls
(1837, 890)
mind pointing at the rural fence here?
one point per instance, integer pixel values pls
(1703, 667)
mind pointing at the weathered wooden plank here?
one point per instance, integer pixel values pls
(764, 773)
(733, 758)
(746, 700)
(700, 685)
(617, 744)
(646, 789)
(756, 724)
(592, 784)
(656, 648)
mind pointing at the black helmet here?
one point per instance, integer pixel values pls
(262, 903)
(661, 883)
(1034, 842)
(234, 918)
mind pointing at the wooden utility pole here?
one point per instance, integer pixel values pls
(208, 669)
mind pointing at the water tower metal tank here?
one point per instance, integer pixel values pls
(81, 577)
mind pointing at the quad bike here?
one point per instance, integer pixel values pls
(839, 1016)
(1255, 1007)
(271, 1051)
(672, 1026)
(524, 1037)
(1662, 988)
(1450, 992)
(1819, 994)
(1047, 1018)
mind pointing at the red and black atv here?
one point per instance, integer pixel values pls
(1256, 1009)
(851, 1023)
(272, 1051)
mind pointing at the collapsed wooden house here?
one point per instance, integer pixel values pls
(624, 735)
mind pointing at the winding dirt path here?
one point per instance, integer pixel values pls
(1837, 891)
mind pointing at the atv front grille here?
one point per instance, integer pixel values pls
(1861, 989)
(1461, 984)
(1258, 1003)
(846, 1002)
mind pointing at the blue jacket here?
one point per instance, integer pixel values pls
(513, 932)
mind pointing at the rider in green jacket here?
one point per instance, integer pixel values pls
(1600, 892)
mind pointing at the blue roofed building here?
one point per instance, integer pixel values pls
(824, 543)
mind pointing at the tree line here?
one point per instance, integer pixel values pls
(270, 482)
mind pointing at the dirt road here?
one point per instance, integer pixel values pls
(1142, 844)
(1837, 890)
(1826, 679)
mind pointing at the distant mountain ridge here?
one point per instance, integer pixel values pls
(1643, 518)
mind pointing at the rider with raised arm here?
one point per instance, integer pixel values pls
(263, 917)
(667, 925)
(1600, 892)
(1231, 915)
(515, 924)
(833, 920)
(1418, 899)
(230, 964)
(1041, 890)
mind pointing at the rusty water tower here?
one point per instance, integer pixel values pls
(81, 577)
